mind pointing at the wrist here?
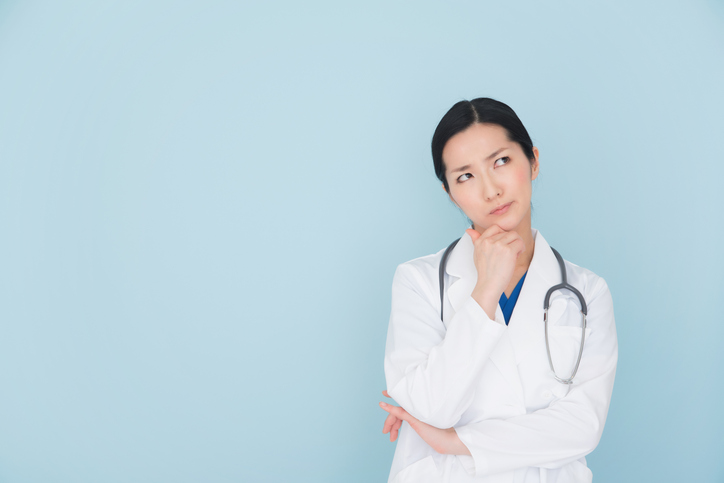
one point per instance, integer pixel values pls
(456, 446)
(487, 299)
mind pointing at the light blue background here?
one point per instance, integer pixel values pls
(202, 206)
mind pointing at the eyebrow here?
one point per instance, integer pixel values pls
(467, 166)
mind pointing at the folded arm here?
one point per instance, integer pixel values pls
(432, 372)
(570, 427)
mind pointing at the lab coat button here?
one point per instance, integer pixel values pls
(547, 394)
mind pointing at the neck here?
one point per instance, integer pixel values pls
(526, 257)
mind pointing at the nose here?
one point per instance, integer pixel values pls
(490, 189)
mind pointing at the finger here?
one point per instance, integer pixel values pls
(511, 237)
(388, 407)
(499, 236)
(514, 241)
(517, 241)
(390, 421)
(492, 230)
(397, 411)
(506, 238)
(385, 393)
(473, 234)
(395, 430)
(387, 425)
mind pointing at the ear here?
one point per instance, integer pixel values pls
(535, 166)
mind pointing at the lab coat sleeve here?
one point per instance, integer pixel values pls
(569, 427)
(431, 372)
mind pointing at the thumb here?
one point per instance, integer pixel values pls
(473, 234)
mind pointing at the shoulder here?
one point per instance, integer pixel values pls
(420, 273)
(600, 317)
(586, 281)
(589, 283)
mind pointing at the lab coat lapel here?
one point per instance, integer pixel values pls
(460, 264)
(526, 327)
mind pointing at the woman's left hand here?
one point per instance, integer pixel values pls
(444, 441)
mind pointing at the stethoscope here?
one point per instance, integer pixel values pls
(563, 285)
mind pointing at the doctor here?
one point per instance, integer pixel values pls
(478, 401)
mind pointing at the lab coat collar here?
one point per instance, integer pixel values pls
(543, 269)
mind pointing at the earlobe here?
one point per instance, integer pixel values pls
(535, 166)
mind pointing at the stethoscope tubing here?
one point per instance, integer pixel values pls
(564, 285)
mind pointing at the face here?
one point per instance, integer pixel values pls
(490, 177)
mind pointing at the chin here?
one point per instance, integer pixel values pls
(507, 224)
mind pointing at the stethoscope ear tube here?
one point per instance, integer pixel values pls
(443, 262)
(564, 285)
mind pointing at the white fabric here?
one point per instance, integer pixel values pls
(492, 382)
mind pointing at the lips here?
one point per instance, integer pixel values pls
(501, 209)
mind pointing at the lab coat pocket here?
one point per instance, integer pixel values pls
(565, 345)
(422, 471)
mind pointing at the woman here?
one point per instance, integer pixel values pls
(478, 399)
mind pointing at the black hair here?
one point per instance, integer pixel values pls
(482, 110)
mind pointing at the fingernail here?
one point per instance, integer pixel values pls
(383, 404)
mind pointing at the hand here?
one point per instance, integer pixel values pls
(496, 252)
(392, 423)
(444, 441)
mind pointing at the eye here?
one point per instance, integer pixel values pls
(461, 179)
(505, 160)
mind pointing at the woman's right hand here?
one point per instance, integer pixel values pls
(496, 252)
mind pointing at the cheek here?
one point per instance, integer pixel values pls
(522, 179)
(522, 176)
(466, 202)
(462, 199)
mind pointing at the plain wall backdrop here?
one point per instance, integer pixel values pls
(202, 205)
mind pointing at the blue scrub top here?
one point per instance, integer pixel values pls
(508, 304)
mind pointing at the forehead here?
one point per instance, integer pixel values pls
(474, 144)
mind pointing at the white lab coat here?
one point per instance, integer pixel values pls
(492, 382)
